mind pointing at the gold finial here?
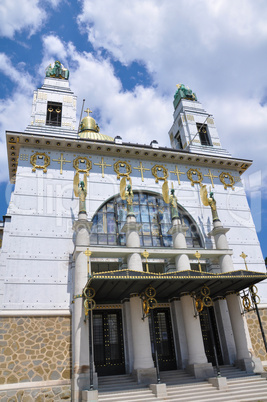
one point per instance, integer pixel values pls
(88, 111)
(178, 85)
(146, 255)
(244, 256)
(88, 253)
(198, 255)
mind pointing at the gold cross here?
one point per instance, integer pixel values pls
(198, 255)
(88, 253)
(88, 111)
(103, 166)
(146, 255)
(177, 172)
(244, 256)
(142, 169)
(211, 176)
(62, 161)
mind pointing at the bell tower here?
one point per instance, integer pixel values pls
(54, 104)
(193, 129)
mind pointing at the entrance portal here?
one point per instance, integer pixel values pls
(108, 342)
(207, 336)
(164, 339)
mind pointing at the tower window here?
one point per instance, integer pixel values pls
(179, 141)
(203, 134)
(53, 114)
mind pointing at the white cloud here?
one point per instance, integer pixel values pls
(217, 47)
(14, 17)
(15, 111)
(201, 43)
(15, 115)
(18, 76)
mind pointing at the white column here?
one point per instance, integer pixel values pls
(80, 353)
(178, 237)
(131, 228)
(237, 322)
(179, 333)
(243, 356)
(196, 351)
(197, 360)
(143, 364)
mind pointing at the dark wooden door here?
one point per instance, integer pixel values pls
(164, 339)
(206, 333)
(108, 342)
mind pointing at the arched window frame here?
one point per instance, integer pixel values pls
(153, 214)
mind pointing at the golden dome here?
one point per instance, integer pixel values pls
(90, 129)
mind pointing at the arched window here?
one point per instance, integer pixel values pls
(154, 215)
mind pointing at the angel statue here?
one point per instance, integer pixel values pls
(174, 206)
(81, 192)
(209, 201)
(129, 197)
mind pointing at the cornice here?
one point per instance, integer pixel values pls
(15, 140)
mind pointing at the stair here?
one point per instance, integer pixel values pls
(182, 387)
(242, 387)
(122, 388)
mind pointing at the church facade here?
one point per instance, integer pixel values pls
(124, 258)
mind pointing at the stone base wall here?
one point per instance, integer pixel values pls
(47, 394)
(35, 349)
(255, 332)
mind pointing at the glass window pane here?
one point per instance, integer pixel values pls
(146, 228)
(111, 224)
(155, 230)
(151, 199)
(144, 213)
(164, 228)
(93, 238)
(102, 239)
(122, 212)
(167, 241)
(112, 240)
(147, 241)
(110, 207)
(156, 241)
(122, 240)
(143, 198)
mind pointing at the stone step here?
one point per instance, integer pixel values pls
(134, 396)
(219, 396)
(253, 391)
(120, 388)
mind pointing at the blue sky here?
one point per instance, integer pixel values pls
(125, 59)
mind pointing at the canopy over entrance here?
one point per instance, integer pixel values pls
(114, 286)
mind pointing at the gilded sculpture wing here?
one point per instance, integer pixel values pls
(204, 195)
(76, 184)
(123, 188)
(165, 192)
(85, 181)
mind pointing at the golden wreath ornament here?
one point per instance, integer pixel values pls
(199, 305)
(76, 165)
(196, 173)
(89, 302)
(165, 188)
(85, 171)
(149, 301)
(227, 176)
(123, 164)
(124, 176)
(205, 300)
(43, 156)
(159, 168)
